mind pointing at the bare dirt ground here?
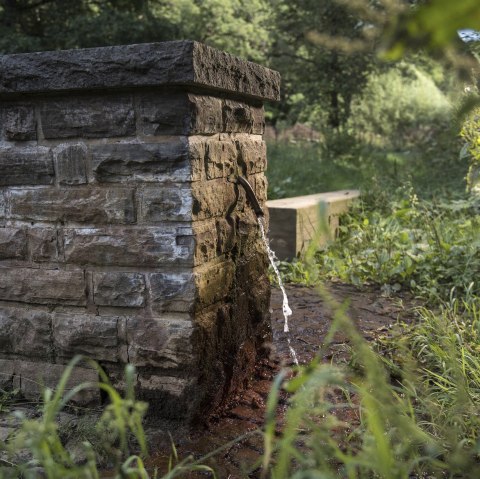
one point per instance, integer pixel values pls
(372, 313)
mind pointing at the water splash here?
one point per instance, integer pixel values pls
(285, 307)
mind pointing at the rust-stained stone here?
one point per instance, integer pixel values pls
(253, 154)
(213, 198)
(213, 282)
(71, 164)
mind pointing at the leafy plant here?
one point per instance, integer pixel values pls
(401, 431)
(118, 431)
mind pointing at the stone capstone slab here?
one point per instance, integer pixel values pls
(150, 64)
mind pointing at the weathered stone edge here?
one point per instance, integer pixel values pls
(150, 64)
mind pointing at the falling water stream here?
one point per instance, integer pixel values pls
(286, 308)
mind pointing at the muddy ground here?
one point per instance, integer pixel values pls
(373, 314)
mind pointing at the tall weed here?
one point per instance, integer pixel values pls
(399, 434)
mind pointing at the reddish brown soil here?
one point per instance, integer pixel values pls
(311, 319)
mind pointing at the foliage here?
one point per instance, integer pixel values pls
(313, 75)
(233, 25)
(444, 345)
(398, 103)
(116, 432)
(432, 25)
(471, 150)
(428, 247)
(370, 162)
(401, 430)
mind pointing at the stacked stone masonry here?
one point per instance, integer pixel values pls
(123, 234)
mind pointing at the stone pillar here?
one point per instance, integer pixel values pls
(121, 236)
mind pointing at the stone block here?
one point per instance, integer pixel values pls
(7, 372)
(197, 149)
(213, 282)
(165, 203)
(43, 244)
(32, 165)
(206, 114)
(17, 122)
(119, 289)
(3, 205)
(171, 397)
(213, 198)
(163, 113)
(206, 241)
(92, 336)
(253, 154)
(295, 222)
(25, 332)
(13, 243)
(240, 117)
(99, 116)
(165, 343)
(133, 247)
(42, 286)
(71, 164)
(33, 377)
(76, 205)
(221, 159)
(150, 64)
(142, 162)
(172, 292)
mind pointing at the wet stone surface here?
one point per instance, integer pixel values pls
(310, 322)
